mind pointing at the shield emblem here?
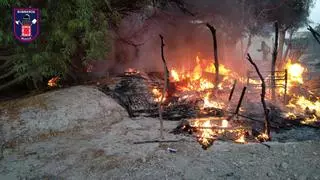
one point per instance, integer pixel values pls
(26, 24)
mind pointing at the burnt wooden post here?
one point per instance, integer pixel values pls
(248, 78)
(285, 86)
(315, 34)
(232, 90)
(274, 59)
(263, 94)
(240, 100)
(165, 87)
(215, 52)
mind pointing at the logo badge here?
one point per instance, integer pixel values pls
(26, 24)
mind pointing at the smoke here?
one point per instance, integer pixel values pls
(137, 42)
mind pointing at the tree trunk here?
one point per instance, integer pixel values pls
(288, 48)
(282, 36)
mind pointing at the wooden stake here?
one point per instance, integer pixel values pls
(285, 86)
(240, 100)
(215, 52)
(263, 94)
(165, 87)
(274, 59)
(232, 90)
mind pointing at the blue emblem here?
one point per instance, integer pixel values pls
(26, 26)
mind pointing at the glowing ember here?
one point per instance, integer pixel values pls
(241, 139)
(53, 82)
(263, 137)
(131, 71)
(224, 123)
(291, 115)
(157, 94)
(310, 120)
(208, 130)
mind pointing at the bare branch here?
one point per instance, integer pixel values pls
(11, 72)
(315, 34)
(165, 87)
(14, 81)
(263, 93)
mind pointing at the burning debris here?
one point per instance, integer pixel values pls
(302, 104)
(208, 130)
(53, 82)
(191, 96)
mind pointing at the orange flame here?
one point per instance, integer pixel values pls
(299, 103)
(53, 82)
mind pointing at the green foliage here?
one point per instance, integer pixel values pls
(71, 31)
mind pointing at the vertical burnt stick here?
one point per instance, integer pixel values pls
(273, 63)
(240, 100)
(263, 94)
(232, 90)
(215, 51)
(165, 87)
(285, 85)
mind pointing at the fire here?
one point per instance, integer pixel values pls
(175, 75)
(206, 136)
(241, 139)
(157, 95)
(210, 103)
(302, 104)
(224, 123)
(310, 120)
(131, 71)
(53, 82)
(299, 104)
(201, 79)
(295, 72)
(263, 137)
(208, 130)
(290, 115)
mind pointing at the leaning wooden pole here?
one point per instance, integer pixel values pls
(165, 87)
(232, 90)
(263, 94)
(315, 34)
(274, 60)
(240, 100)
(215, 52)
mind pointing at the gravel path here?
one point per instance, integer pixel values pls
(109, 153)
(100, 146)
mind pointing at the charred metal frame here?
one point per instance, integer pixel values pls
(281, 81)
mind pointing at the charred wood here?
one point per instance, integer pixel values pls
(273, 63)
(240, 100)
(232, 90)
(263, 93)
(215, 52)
(315, 34)
(165, 87)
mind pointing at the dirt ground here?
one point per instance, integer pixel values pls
(104, 150)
